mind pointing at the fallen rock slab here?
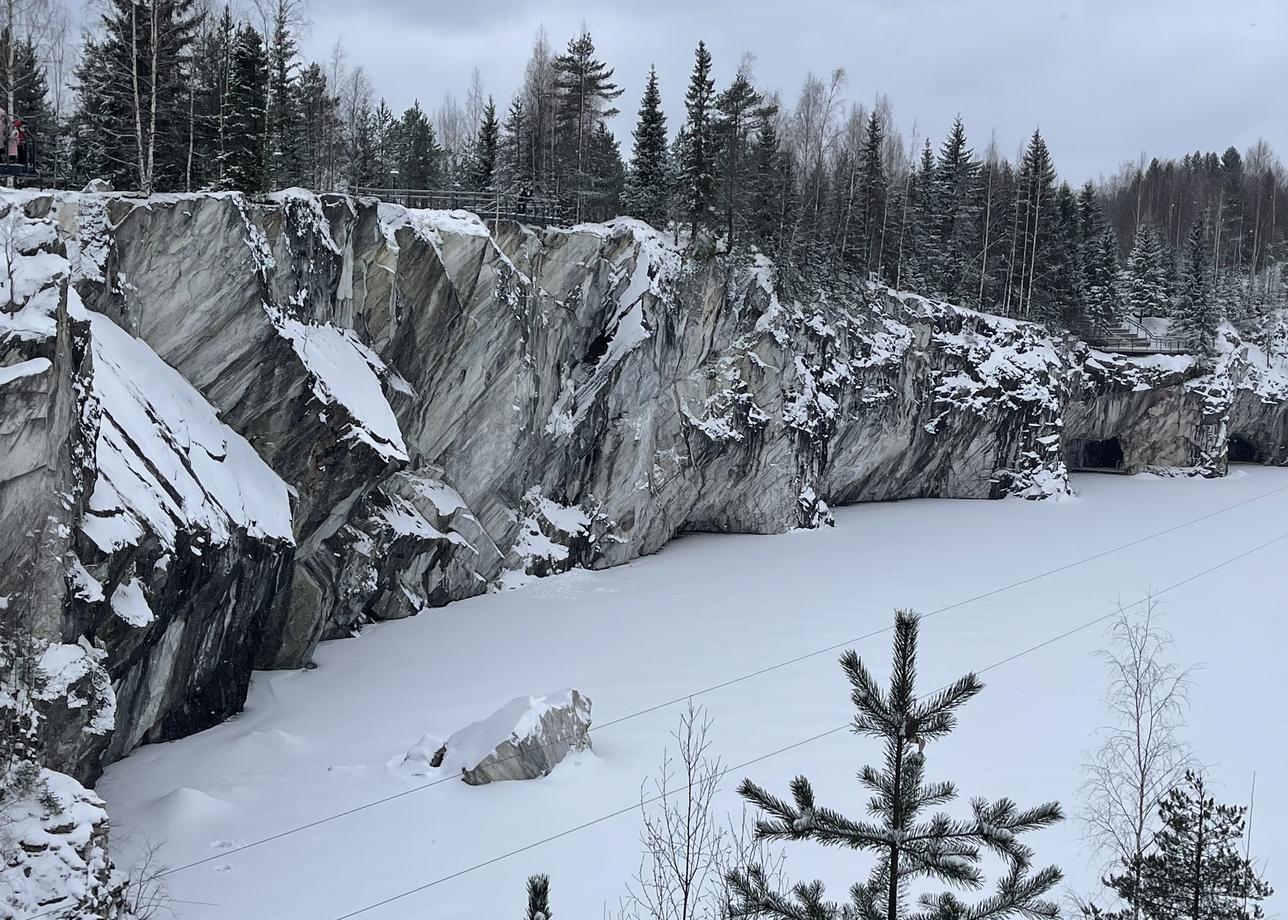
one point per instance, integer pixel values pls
(524, 739)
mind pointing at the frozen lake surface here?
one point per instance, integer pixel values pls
(707, 609)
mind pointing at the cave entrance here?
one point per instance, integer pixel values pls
(1105, 456)
(1241, 450)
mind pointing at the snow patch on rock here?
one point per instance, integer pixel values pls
(165, 461)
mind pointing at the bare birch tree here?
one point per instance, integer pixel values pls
(688, 846)
(1141, 754)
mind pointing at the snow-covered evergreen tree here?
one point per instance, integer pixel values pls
(914, 273)
(418, 156)
(772, 198)
(1145, 281)
(873, 192)
(908, 846)
(696, 177)
(1195, 315)
(515, 159)
(134, 99)
(1102, 304)
(648, 183)
(1036, 230)
(486, 149)
(1194, 871)
(247, 111)
(283, 122)
(953, 251)
(603, 198)
(735, 115)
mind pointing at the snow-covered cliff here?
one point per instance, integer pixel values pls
(229, 429)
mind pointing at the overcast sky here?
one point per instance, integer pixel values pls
(1104, 79)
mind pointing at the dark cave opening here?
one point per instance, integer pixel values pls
(1241, 450)
(1092, 454)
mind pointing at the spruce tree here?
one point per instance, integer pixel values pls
(873, 197)
(603, 198)
(954, 246)
(768, 202)
(1194, 870)
(918, 238)
(486, 147)
(907, 846)
(283, 120)
(1060, 306)
(697, 166)
(319, 119)
(538, 898)
(1195, 317)
(1037, 230)
(29, 91)
(648, 182)
(247, 111)
(212, 65)
(134, 92)
(1145, 287)
(1102, 304)
(419, 158)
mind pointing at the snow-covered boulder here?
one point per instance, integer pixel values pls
(56, 863)
(524, 739)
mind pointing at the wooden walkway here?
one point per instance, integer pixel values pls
(537, 210)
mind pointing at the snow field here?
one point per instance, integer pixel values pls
(705, 610)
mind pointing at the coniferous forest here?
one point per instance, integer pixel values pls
(166, 97)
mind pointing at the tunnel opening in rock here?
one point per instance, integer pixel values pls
(1242, 450)
(1098, 455)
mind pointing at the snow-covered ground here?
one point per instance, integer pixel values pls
(706, 609)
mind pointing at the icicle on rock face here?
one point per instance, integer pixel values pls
(524, 739)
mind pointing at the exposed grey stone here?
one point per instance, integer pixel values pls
(524, 739)
(558, 398)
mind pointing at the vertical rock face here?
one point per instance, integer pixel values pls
(273, 421)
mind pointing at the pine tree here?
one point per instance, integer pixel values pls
(735, 114)
(954, 246)
(697, 166)
(1195, 870)
(906, 845)
(585, 91)
(1145, 286)
(648, 181)
(247, 111)
(486, 147)
(1196, 316)
(538, 898)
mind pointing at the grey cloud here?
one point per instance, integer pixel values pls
(1105, 79)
